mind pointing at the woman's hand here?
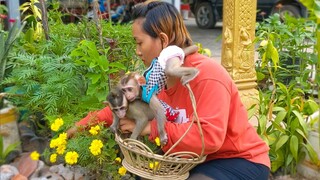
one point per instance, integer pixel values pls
(71, 132)
(127, 126)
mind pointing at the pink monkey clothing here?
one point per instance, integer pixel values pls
(223, 118)
(170, 52)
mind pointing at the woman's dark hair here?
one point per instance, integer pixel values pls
(162, 17)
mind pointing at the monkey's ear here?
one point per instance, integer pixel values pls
(106, 103)
(141, 81)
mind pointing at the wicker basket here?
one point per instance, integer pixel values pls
(140, 160)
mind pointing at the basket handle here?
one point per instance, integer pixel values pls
(194, 106)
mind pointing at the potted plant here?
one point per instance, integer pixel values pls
(285, 103)
(8, 113)
(185, 9)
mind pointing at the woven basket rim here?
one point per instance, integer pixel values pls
(196, 159)
(148, 175)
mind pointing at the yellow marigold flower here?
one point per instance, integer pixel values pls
(55, 127)
(63, 136)
(61, 149)
(53, 158)
(56, 124)
(35, 156)
(71, 157)
(118, 160)
(59, 121)
(95, 147)
(61, 141)
(122, 171)
(154, 165)
(157, 141)
(97, 128)
(53, 143)
(94, 130)
(95, 151)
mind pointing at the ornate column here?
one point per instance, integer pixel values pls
(239, 18)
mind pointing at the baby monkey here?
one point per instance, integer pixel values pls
(137, 110)
(155, 79)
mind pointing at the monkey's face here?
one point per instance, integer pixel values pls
(120, 109)
(131, 90)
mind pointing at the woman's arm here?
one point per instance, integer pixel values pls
(101, 116)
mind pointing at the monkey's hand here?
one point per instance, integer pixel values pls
(71, 132)
(113, 128)
(163, 139)
(190, 49)
(192, 73)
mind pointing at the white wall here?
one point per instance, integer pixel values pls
(176, 3)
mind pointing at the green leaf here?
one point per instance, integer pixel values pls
(275, 57)
(283, 88)
(283, 139)
(118, 65)
(1, 46)
(92, 65)
(301, 133)
(294, 144)
(1, 147)
(280, 117)
(10, 148)
(272, 138)
(272, 52)
(29, 35)
(260, 76)
(37, 13)
(275, 109)
(278, 161)
(308, 3)
(278, 127)
(103, 63)
(312, 105)
(301, 121)
(312, 153)
(94, 77)
(262, 124)
(264, 60)
(252, 111)
(288, 159)
(317, 8)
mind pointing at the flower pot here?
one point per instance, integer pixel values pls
(185, 9)
(9, 128)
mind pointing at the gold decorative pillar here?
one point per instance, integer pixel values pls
(239, 19)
